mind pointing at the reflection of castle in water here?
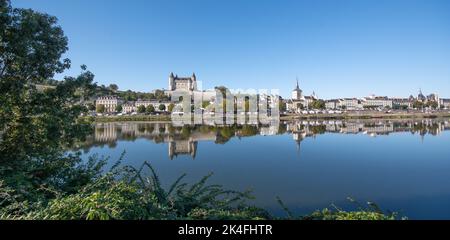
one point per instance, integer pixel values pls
(179, 142)
(184, 140)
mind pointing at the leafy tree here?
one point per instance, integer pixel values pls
(282, 106)
(160, 95)
(37, 126)
(162, 107)
(119, 108)
(100, 108)
(432, 104)
(141, 109)
(113, 87)
(91, 107)
(150, 109)
(418, 104)
(171, 107)
(317, 104)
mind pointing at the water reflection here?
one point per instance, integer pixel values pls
(184, 140)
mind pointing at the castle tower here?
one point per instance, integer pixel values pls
(171, 82)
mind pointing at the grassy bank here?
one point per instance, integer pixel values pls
(135, 118)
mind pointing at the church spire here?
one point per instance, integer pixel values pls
(297, 83)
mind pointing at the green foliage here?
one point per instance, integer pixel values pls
(150, 109)
(282, 106)
(119, 108)
(141, 109)
(38, 125)
(418, 104)
(100, 108)
(432, 104)
(370, 212)
(126, 194)
(162, 107)
(113, 87)
(317, 104)
(171, 107)
(91, 107)
(327, 214)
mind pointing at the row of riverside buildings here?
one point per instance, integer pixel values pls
(300, 102)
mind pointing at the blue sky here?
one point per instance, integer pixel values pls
(336, 48)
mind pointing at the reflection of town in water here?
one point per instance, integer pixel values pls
(184, 140)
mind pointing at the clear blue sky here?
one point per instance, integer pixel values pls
(336, 48)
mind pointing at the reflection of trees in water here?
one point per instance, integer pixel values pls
(165, 132)
(320, 129)
(424, 128)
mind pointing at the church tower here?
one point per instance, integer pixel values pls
(297, 93)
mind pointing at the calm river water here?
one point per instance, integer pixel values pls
(402, 166)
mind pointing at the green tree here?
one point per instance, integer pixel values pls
(113, 87)
(171, 107)
(119, 108)
(100, 108)
(281, 106)
(317, 104)
(37, 126)
(418, 104)
(141, 109)
(162, 107)
(150, 109)
(432, 104)
(91, 107)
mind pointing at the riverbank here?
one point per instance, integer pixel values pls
(134, 118)
(288, 117)
(367, 115)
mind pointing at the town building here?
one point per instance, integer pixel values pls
(350, 104)
(444, 103)
(109, 102)
(402, 103)
(332, 104)
(129, 107)
(377, 102)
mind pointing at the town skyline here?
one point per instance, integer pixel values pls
(351, 48)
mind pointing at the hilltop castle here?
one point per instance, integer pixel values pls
(182, 83)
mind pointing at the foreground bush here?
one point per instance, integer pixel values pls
(125, 194)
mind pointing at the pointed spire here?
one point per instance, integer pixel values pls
(171, 74)
(297, 83)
